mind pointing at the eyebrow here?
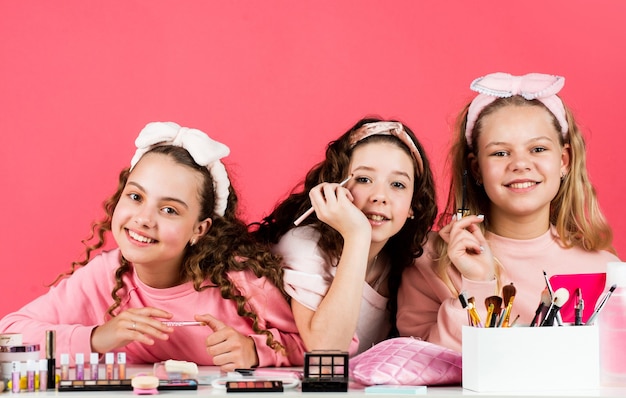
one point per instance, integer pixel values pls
(397, 172)
(540, 138)
(164, 199)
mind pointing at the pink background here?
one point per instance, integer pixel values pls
(274, 80)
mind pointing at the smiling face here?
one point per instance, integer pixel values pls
(157, 216)
(382, 187)
(520, 161)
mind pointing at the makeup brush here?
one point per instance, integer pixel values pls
(464, 303)
(473, 312)
(560, 297)
(508, 295)
(542, 309)
(494, 308)
(551, 290)
(463, 212)
(311, 209)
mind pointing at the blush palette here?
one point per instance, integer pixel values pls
(254, 386)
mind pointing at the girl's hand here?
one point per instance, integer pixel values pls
(333, 205)
(135, 324)
(230, 349)
(468, 249)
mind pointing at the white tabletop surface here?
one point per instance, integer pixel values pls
(208, 374)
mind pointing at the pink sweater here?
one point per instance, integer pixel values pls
(427, 308)
(78, 304)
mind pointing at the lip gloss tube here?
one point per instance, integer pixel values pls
(121, 365)
(109, 362)
(94, 360)
(65, 366)
(15, 375)
(80, 366)
(50, 356)
(43, 374)
(31, 366)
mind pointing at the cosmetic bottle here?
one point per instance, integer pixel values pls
(43, 374)
(611, 322)
(79, 360)
(15, 375)
(31, 368)
(94, 361)
(65, 366)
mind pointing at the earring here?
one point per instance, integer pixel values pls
(411, 217)
(192, 242)
(563, 175)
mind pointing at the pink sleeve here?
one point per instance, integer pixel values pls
(274, 315)
(427, 309)
(72, 308)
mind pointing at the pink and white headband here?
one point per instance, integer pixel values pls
(532, 86)
(388, 128)
(204, 151)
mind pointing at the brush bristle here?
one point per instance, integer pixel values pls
(545, 297)
(495, 300)
(508, 291)
(560, 297)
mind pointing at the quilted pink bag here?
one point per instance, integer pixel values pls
(407, 361)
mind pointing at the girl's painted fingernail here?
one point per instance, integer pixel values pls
(482, 249)
(454, 217)
(481, 216)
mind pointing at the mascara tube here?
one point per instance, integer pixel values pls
(50, 356)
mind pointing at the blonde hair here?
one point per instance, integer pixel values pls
(574, 211)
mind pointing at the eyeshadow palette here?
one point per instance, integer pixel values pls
(123, 385)
(254, 386)
(95, 385)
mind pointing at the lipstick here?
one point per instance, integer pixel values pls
(579, 307)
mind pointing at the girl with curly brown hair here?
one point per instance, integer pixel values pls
(183, 255)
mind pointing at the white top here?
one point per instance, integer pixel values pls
(309, 274)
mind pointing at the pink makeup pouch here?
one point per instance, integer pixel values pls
(407, 361)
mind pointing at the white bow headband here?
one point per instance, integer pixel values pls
(204, 151)
(539, 86)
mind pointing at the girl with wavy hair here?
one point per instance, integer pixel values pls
(183, 258)
(344, 262)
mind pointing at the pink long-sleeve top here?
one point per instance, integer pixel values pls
(78, 304)
(429, 310)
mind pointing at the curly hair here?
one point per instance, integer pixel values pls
(401, 248)
(574, 211)
(228, 246)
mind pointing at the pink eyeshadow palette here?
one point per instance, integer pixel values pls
(254, 386)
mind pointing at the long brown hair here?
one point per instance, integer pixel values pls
(401, 249)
